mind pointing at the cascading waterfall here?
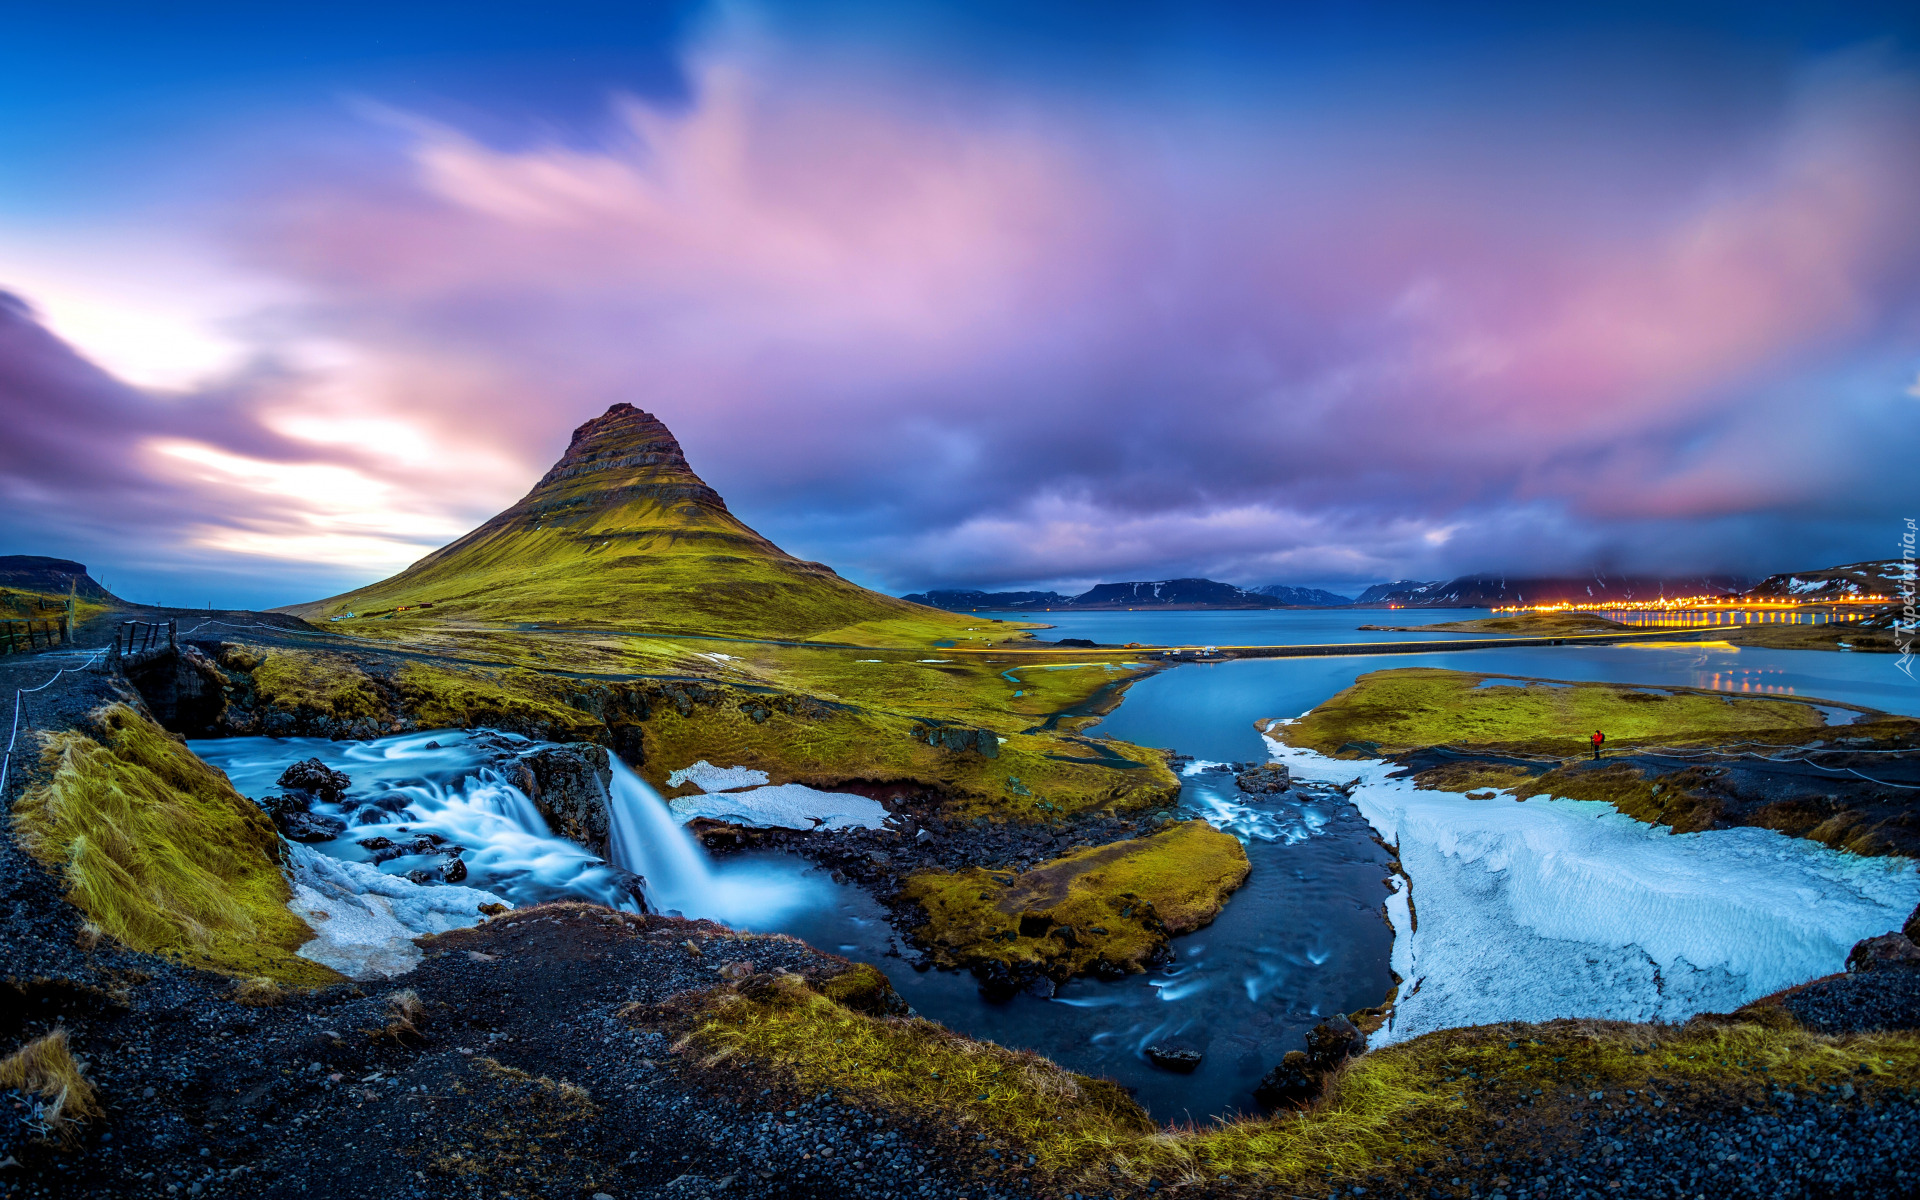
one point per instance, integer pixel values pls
(649, 842)
(680, 878)
(445, 783)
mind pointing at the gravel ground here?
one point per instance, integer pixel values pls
(522, 1081)
(1888, 998)
(1816, 1148)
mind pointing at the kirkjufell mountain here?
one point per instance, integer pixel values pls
(621, 531)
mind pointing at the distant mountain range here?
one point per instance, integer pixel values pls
(1163, 593)
(1490, 591)
(1303, 597)
(1882, 578)
(1467, 591)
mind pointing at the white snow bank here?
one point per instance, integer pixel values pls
(1568, 908)
(366, 921)
(709, 778)
(783, 806)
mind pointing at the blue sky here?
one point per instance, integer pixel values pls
(975, 295)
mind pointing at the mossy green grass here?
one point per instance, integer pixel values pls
(20, 604)
(160, 851)
(1115, 904)
(1413, 707)
(1387, 1113)
(327, 684)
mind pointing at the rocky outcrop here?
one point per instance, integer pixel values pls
(1883, 952)
(1269, 780)
(958, 739)
(312, 775)
(1178, 1059)
(1302, 1074)
(569, 785)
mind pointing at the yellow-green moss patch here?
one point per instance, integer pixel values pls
(1412, 707)
(1115, 904)
(514, 699)
(321, 683)
(161, 852)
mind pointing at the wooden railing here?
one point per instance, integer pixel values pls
(138, 637)
(23, 636)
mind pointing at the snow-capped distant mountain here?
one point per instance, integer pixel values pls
(1302, 597)
(1885, 577)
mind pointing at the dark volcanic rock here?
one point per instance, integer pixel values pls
(957, 738)
(312, 775)
(569, 785)
(1177, 1059)
(1879, 953)
(1331, 1041)
(1302, 1074)
(302, 826)
(1289, 1085)
(1912, 927)
(1265, 781)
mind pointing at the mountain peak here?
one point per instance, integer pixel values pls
(620, 531)
(626, 453)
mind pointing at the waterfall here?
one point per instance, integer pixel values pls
(649, 842)
(681, 879)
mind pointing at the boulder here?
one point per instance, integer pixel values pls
(1289, 1085)
(568, 784)
(1880, 953)
(1269, 780)
(958, 739)
(1912, 927)
(1331, 1042)
(303, 826)
(312, 775)
(1177, 1059)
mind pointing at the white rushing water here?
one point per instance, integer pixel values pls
(1546, 907)
(447, 783)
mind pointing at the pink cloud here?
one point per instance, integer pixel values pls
(933, 334)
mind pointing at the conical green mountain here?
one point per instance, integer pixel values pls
(622, 534)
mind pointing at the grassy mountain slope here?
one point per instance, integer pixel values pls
(622, 534)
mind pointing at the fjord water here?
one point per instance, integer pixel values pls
(1304, 938)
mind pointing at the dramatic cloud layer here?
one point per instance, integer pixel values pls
(938, 330)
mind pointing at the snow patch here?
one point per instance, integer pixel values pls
(1567, 908)
(365, 921)
(709, 778)
(783, 806)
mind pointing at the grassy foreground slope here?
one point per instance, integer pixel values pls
(161, 853)
(622, 534)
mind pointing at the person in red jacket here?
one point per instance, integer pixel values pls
(1597, 738)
